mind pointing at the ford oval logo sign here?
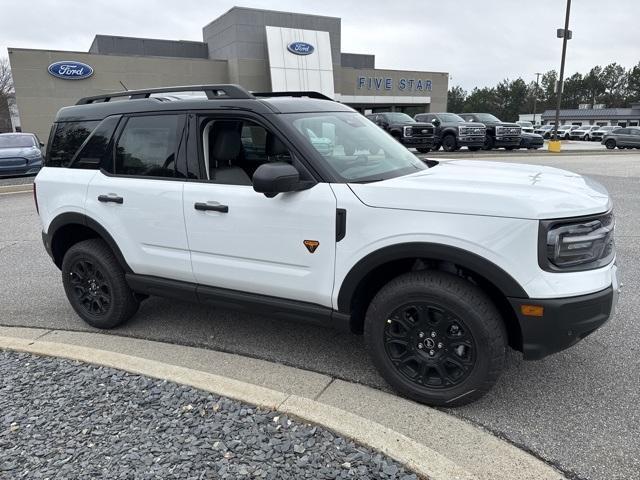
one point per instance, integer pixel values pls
(300, 48)
(70, 70)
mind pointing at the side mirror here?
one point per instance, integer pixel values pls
(436, 122)
(274, 178)
(41, 144)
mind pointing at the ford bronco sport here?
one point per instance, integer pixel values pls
(249, 200)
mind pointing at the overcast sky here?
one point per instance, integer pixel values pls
(478, 42)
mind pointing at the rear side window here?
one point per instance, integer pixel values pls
(68, 137)
(94, 154)
(148, 146)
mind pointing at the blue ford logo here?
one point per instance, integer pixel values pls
(300, 48)
(70, 70)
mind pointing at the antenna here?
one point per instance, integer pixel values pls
(123, 85)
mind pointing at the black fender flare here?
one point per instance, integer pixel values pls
(75, 218)
(435, 251)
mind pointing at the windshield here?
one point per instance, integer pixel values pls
(17, 141)
(486, 117)
(356, 149)
(398, 117)
(450, 118)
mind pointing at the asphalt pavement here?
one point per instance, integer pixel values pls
(577, 410)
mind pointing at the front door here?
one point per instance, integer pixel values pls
(241, 240)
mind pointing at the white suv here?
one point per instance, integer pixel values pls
(231, 199)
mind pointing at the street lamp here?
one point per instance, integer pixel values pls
(535, 97)
(565, 34)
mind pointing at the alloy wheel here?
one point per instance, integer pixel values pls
(429, 345)
(91, 287)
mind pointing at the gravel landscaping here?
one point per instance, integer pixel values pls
(70, 420)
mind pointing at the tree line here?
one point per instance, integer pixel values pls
(612, 85)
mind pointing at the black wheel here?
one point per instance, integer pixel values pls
(587, 138)
(449, 143)
(423, 150)
(473, 149)
(95, 285)
(489, 143)
(436, 147)
(436, 338)
(610, 144)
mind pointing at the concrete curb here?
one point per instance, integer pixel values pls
(351, 421)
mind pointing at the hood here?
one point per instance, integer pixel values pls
(18, 152)
(505, 124)
(471, 124)
(489, 188)
(411, 124)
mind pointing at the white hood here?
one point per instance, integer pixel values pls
(489, 188)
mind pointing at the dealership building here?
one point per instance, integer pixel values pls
(262, 50)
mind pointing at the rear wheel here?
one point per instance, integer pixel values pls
(610, 144)
(436, 338)
(95, 285)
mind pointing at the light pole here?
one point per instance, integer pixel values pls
(535, 97)
(565, 34)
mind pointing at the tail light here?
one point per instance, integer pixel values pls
(35, 197)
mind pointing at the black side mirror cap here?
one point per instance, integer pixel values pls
(435, 122)
(276, 177)
(41, 144)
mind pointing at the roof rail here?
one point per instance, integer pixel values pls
(317, 95)
(222, 91)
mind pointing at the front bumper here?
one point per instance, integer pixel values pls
(422, 142)
(471, 141)
(507, 141)
(565, 321)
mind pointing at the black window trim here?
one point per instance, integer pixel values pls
(196, 138)
(181, 132)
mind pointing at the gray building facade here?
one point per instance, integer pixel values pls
(262, 50)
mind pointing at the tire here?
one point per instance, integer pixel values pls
(423, 150)
(473, 149)
(489, 143)
(393, 328)
(587, 138)
(436, 147)
(449, 143)
(610, 144)
(95, 285)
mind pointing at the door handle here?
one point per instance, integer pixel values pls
(110, 198)
(207, 206)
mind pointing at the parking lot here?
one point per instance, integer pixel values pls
(578, 410)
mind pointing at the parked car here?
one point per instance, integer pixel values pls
(499, 133)
(583, 133)
(597, 135)
(628, 137)
(20, 154)
(526, 126)
(406, 130)
(564, 131)
(442, 265)
(544, 130)
(530, 141)
(452, 132)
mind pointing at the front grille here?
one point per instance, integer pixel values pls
(500, 130)
(473, 131)
(419, 131)
(13, 162)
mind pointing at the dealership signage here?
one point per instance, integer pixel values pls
(70, 70)
(387, 83)
(300, 48)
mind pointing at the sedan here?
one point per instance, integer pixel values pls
(531, 141)
(20, 154)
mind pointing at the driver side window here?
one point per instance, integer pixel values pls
(148, 146)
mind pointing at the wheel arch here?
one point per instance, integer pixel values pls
(69, 228)
(376, 269)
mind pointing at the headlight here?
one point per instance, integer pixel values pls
(34, 154)
(408, 131)
(577, 245)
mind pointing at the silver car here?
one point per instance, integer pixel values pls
(584, 132)
(20, 154)
(628, 137)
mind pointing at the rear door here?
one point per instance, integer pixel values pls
(137, 196)
(634, 138)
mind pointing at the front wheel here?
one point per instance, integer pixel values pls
(610, 144)
(436, 338)
(449, 143)
(95, 285)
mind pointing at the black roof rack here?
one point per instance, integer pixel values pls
(223, 91)
(317, 95)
